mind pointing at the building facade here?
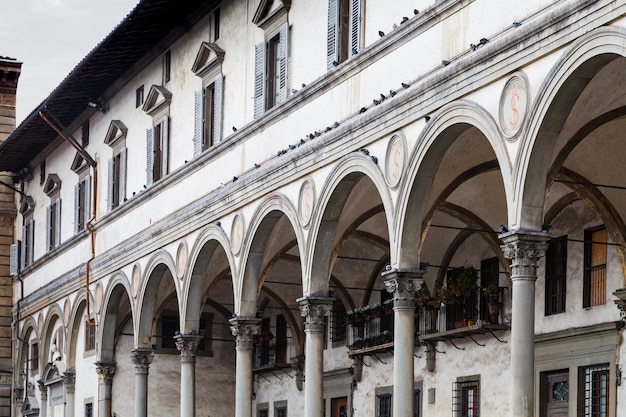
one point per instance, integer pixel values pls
(341, 208)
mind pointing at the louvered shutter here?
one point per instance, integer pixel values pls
(123, 165)
(149, 154)
(259, 79)
(15, 258)
(331, 36)
(49, 237)
(24, 249)
(31, 247)
(87, 203)
(217, 108)
(282, 64)
(165, 149)
(77, 209)
(57, 221)
(111, 184)
(355, 25)
(197, 124)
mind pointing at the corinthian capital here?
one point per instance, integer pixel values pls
(244, 329)
(403, 284)
(69, 380)
(314, 309)
(105, 371)
(187, 345)
(524, 249)
(142, 358)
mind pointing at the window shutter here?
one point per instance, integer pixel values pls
(123, 160)
(259, 79)
(217, 108)
(31, 249)
(282, 65)
(355, 25)
(331, 39)
(87, 204)
(15, 258)
(197, 124)
(57, 220)
(48, 225)
(23, 245)
(110, 187)
(77, 208)
(165, 135)
(149, 154)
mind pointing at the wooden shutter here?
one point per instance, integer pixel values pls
(57, 226)
(87, 203)
(77, 208)
(259, 79)
(355, 25)
(165, 147)
(331, 33)
(31, 247)
(110, 186)
(217, 108)
(282, 64)
(149, 154)
(24, 248)
(122, 180)
(15, 259)
(197, 124)
(49, 237)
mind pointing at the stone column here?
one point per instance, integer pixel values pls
(403, 284)
(524, 249)
(142, 358)
(43, 394)
(244, 328)
(105, 373)
(314, 309)
(69, 380)
(187, 345)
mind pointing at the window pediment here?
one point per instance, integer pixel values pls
(116, 132)
(78, 164)
(158, 98)
(269, 11)
(27, 205)
(209, 57)
(52, 185)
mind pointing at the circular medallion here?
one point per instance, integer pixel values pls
(136, 278)
(306, 202)
(514, 104)
(181, 259)
(236, 234)
(395, 160)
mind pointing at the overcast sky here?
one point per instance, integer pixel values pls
(50, 37)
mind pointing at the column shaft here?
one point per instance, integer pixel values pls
(244, 328)
(314, 309)
(105, 373)
(142, 358)
(403, 285)
(69, 380)
(524, 250)
(187, 345)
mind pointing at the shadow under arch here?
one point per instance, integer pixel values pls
(73, 326)
(29, 327)
(211, 240)
(54, 315)
(443, 129)
(331, 204)
(555, 100)
(117, 289)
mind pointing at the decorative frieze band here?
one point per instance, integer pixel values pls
(314, 309)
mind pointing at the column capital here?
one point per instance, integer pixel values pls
(403, 285)
(314, 309)
(142, 358)
(524, 249)
(187, 345)
(105, 371)
(244, 329)
(69, 380)
(43, 390)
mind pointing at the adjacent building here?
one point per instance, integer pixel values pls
(279, 208)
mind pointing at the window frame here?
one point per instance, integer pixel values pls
(461, 399)
(344, 30)
(590, 297)
(52, 188)
(139, 96)
(90, 336)
(587, 400)
(556, 276)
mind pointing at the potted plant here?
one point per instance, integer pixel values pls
(431, 303)
(463, 285)
(493, 292)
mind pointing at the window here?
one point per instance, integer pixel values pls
(338, 327)
(489, 275)
(556, 275)
(594, 383)
(139, 96)
(280, 409)
(90, 335)
(594, 285)
(383, 405)
(208, 116)
(384, 401)
(417, 401)
(262, 410)
(117, 179)
(555, 393)
(344, 30)
(34, 357)
(167, 66)
(157, 151)
(82, 206)
(42, 172)
(169, 324)
(270, 74)
(465, 308)
(28, 241)
(89, 409)
(281, 339)
(216, 24)
(466, 398)
(85, 133)
(52, 188)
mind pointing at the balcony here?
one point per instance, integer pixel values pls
(271, 353)
(370, 329)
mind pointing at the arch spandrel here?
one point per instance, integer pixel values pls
(333, 196)
(435, 140)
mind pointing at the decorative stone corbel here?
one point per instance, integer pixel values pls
(297, 363)
(357, 370)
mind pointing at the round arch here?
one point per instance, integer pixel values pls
(105, 335)
(54, 315)
(73, 328)
(29, 326)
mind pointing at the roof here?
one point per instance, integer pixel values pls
(144, 27)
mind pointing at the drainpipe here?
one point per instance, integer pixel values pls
(57, 126)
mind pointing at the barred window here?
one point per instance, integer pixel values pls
(556, 275)
(417, 402)
(90, 336)
(594, 291)
(466, 398)
(88, 409)
(594, 388)
(338, 329)
(383, 405)
(280, 410)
